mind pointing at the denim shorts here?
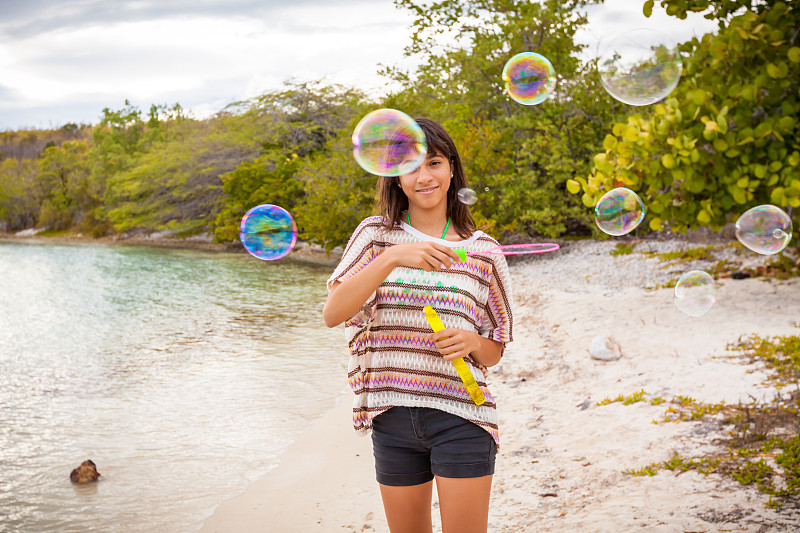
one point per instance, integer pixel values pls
(414, 444)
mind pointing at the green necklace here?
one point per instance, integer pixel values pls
(445, 226)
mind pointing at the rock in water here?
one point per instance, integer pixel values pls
(86, 473)
(605, 348)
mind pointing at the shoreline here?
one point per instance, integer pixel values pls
(562, 455)
(299, 484)
(302, 252)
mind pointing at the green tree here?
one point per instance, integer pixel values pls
(20, 196)
(161, 121)
(726, 139)
(310, 123)
(518, 157)
(64, 180)
(268, 179)
(338, 193)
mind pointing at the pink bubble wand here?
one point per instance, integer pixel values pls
(513, 249)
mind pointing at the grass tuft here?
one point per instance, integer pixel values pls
(702, 253)
(623, 249)
(625, 400)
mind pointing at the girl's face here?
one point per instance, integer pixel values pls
(427, 186)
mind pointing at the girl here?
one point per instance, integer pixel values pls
(424, 423)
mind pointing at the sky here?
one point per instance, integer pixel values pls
(63, 61)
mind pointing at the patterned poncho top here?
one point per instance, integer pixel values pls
(391, 361)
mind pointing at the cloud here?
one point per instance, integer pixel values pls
(28, 18)
(219, 52)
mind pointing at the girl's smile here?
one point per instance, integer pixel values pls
(427, 190)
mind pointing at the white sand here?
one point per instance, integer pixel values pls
(560, 465)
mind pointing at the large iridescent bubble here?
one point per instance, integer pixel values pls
(639, 67)
(619, 211)
(529, 78)
(765, 229)
(268, 232)
(387, 142)
(695, 293)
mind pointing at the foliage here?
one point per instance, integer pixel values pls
(698, 158)
(780, 354)
(726, 139)
(29, 144)
(689, 254)
(623, 249)
(175, 185)
(781, 266)
(762, 446)
(339, 194)
(626, 400)
(64, 183)
(19, 207)
(306, 165)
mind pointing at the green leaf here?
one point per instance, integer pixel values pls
(655, 224)
(647, 9)
(668, 161)
(776, 71)
(573, 186)
(794, 54)
(631, 134)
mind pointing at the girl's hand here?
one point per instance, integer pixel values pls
(454, 343)
(428, 256)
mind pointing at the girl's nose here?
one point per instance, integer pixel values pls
(424, 173)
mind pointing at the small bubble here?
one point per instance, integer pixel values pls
(695, 293)
(467, 196)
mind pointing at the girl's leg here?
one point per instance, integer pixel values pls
(408, 509)
(464, 503)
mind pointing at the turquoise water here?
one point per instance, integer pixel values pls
(181, 374)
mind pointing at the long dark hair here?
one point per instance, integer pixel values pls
(391, 201)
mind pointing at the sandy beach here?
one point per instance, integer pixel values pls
(562, 456)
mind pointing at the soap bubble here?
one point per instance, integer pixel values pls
(639, 67)
(695, 293)
(765, 229)
(619, 211)
(529, 78)
(268, 232)
(387, 142)
(467, 196)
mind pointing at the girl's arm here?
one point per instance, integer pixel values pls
(347, 297)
